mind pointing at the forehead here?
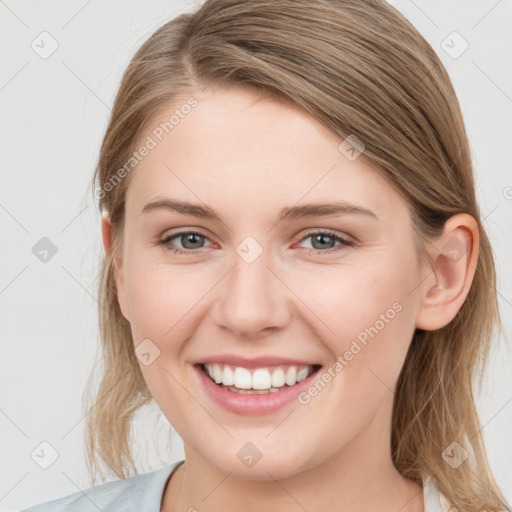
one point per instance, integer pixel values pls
(240, 149)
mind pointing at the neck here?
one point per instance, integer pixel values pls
(360, 476)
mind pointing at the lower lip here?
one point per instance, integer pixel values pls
(245, 404)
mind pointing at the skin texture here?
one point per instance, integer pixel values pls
(248, 156)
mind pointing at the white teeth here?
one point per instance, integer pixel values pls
(228, 377)
(303, 373)
(242, 378)
(291, 376)
(260, 379)
(217, 374)
(278, 378)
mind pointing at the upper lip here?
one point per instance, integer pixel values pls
(254, 362)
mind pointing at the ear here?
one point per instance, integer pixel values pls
(107, 235)
(455, 256)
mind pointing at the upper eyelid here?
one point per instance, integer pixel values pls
(184, 232)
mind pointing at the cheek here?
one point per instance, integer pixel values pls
(366, 314)
(164, 306)
(161, 298)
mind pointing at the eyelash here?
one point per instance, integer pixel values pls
(331, 234)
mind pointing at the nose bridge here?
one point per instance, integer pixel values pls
(252, 296)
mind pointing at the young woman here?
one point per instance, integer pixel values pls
(296, 269)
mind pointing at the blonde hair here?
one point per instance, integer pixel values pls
(359, 68)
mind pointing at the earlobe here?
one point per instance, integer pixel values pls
(107, 236)
(448, 281)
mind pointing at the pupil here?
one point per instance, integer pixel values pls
(190, 237)
(322, 237)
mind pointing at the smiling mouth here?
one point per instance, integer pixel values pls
(258, 380)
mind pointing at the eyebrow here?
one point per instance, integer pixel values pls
(289, 213)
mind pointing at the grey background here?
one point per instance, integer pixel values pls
(54, 113)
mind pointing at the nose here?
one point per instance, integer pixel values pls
(252, 300)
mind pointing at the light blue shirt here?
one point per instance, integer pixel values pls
(143, 493)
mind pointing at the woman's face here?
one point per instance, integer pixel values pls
(261, 281)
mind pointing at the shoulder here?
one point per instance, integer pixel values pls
(139, 492)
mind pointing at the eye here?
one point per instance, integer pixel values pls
(189, 239)
(193, 240)
(320, 238)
